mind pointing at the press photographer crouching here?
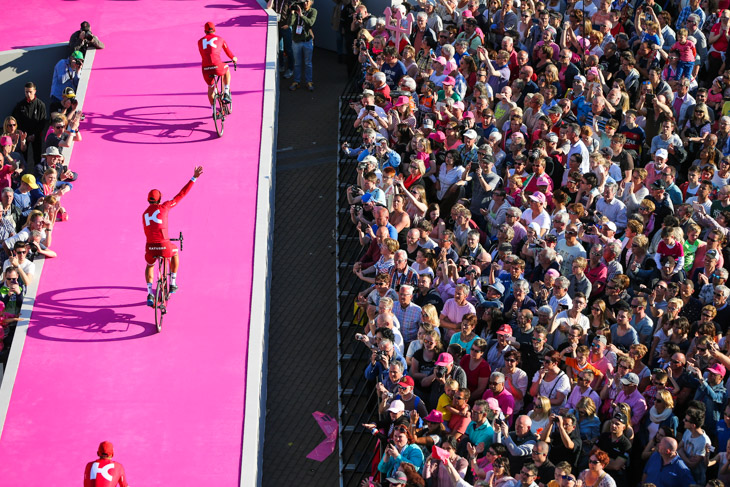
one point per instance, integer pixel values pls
(11, 301)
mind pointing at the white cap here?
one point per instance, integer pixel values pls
(397, 406)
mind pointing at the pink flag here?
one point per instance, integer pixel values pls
(329, 427)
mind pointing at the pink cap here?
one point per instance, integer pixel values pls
(437, 136)
(6, 140)
(441, 60)
(469, 114)
(434, 416)
(445, 359)
(449, 81)
(718, 369)
(459, 105)
(493, 404)
(543, 180)
(538, 197)
(402, 100)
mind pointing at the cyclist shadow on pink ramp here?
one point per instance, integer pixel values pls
(91, 314)
(161, 124)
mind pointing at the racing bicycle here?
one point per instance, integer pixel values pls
(162, 291)
(223, 107)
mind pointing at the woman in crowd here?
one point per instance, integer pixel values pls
(17, 137)
(400, 449)
(424, 360)
(660, 415)
(475, 365)
(594, 475)
(540, 414)
(515, 379)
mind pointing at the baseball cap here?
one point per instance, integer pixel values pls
(658, 184)
(399, 478)
(209, 26)
(6, 140)
(552, 137)
(580, 78)
(407, 381)
(369, 160)
(611, 226)
(154, 196)
(535, 226)
(434, 416)
(428, 123)
(662, 153)
(470, 20)
(441, 60)
(470, 134)
(630, 379)
(619, 416)
(29, 179)
(106, 448)
(449, 81)
(368, 93)
(396, 406)
(601, 339)
(459, 105)
(445, 359)
(493, 404)
(505, 330)
(555, 109)
(69, 92)
(77, 55)
(497, 286)
(538, 197)
(717, 369)
(438, 136)
(402, 100)
(543, 180)
(469, 114)
(712, 253)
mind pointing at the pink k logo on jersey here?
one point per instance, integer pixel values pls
(210, 42)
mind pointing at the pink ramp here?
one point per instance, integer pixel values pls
(92, 368)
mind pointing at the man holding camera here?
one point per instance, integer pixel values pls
(301, 22)
(83, 39)
(65, 74)
(444, 370)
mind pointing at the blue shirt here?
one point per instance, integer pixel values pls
(723, 434)
(674, 474)
(480, 434)
(64, 75)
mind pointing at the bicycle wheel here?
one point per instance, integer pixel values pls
(218, 116)
(161, 294)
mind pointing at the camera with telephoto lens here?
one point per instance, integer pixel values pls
(380, 355)
(440, 371)
(296, 5)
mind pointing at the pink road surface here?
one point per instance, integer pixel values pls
(92, 368)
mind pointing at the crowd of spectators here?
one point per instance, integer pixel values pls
(542, 201)
(34, 177)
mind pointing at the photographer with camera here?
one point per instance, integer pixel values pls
(66, 74)
(83, 39)
(444, 370)
(380, 360)
(301, 22)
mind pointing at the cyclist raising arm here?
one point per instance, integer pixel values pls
(155, 230)
(210, 51)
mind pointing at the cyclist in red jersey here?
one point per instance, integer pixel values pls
(105, 472)
(210, 48)
(155, 230)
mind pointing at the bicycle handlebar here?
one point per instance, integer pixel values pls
(180, 239)
(235, 66)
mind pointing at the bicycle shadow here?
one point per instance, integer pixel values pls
(156, 124)
(84, 314)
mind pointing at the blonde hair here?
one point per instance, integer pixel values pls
(433, 315)
(540, 414)
(666, 396)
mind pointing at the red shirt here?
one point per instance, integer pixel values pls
(104, 472)
(154, 218)
(210, 49)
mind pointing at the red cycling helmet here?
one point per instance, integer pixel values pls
(209, 27)
(154, 196)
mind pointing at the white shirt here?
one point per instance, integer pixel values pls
(580, 148)
(27, 266)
